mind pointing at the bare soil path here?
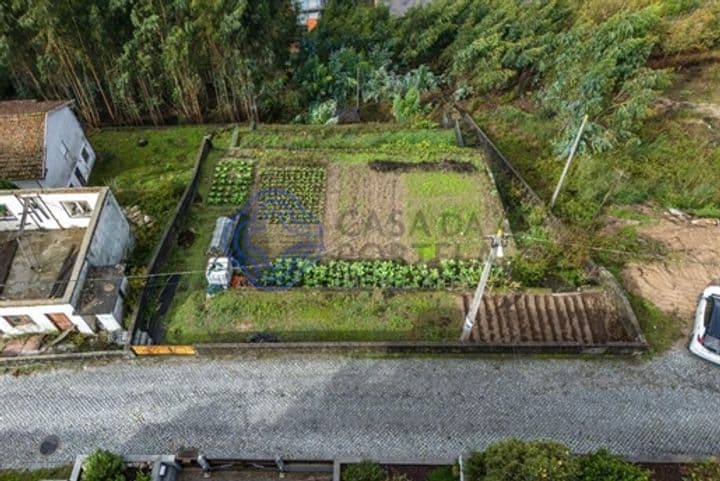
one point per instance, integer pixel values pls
(674, 284)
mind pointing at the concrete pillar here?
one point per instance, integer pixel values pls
(109, 322)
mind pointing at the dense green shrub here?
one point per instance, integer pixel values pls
(515, 460)
(406, 107)
(351, 23)
(709, 471)
(385, 84)
(603, 466)
(321, 113)
(104, 466)
(443, 473)
(364, 471)
(600, 71)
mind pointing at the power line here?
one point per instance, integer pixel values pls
(183, 273)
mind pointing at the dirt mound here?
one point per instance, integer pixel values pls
(447, 165)
(673, 284)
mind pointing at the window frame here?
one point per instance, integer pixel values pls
(18, 325)
(83, 215)
(85, 154)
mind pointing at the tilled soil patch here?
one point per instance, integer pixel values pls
(581, 317)
(447, 165)
(364, 214)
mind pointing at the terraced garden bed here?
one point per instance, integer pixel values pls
(303, 185)
(231, 182)
(365, 235)
(393, 210)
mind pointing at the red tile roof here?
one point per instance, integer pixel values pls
(22, 138)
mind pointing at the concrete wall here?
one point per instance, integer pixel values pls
(111, 240)
(400, 7)
(38, 315)
(64, 142)
(52, 214)
(109, 244)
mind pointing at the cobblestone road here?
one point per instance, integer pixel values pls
(391, 409)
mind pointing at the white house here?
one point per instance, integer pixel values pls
(400, 7)
(43, 145)
(63, 267)
(310, 11)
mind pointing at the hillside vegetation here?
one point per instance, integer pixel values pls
(149, 61)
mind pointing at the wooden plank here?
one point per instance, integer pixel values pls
(164, 350)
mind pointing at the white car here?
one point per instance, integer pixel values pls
(705, 340)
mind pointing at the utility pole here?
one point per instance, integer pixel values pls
(569, 160)
(496, 251)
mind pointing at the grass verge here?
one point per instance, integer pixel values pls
(661, 331)
(62, 472)
(314, 315)
(152, 176)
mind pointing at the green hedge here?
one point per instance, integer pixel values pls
(516, 460)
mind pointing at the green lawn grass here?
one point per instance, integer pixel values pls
(62, 472)
(661, 330)
(313, 315)
(449, 214)
(152, 177)
(201, 221)
(355, 143)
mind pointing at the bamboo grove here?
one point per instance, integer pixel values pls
(169, 61)
(147, 61)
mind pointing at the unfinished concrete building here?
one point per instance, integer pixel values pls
(61, 260)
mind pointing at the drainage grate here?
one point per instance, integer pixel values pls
(49, 445)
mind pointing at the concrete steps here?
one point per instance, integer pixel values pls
(579, 317)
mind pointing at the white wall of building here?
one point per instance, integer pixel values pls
(64, 144)
(54, 211)
(111, 240)
(109, 245)
(39, 316)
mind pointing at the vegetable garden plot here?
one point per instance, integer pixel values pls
(231, 182)
(301, 192)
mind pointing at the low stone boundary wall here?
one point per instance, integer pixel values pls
(449, 348)
(141, 319)
(627, 315)
(335, 466)
(8, 362)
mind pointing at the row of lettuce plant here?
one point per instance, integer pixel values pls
(382, 274)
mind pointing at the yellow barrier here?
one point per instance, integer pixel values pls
(162, 350)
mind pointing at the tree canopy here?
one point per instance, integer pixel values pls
(152, 61)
